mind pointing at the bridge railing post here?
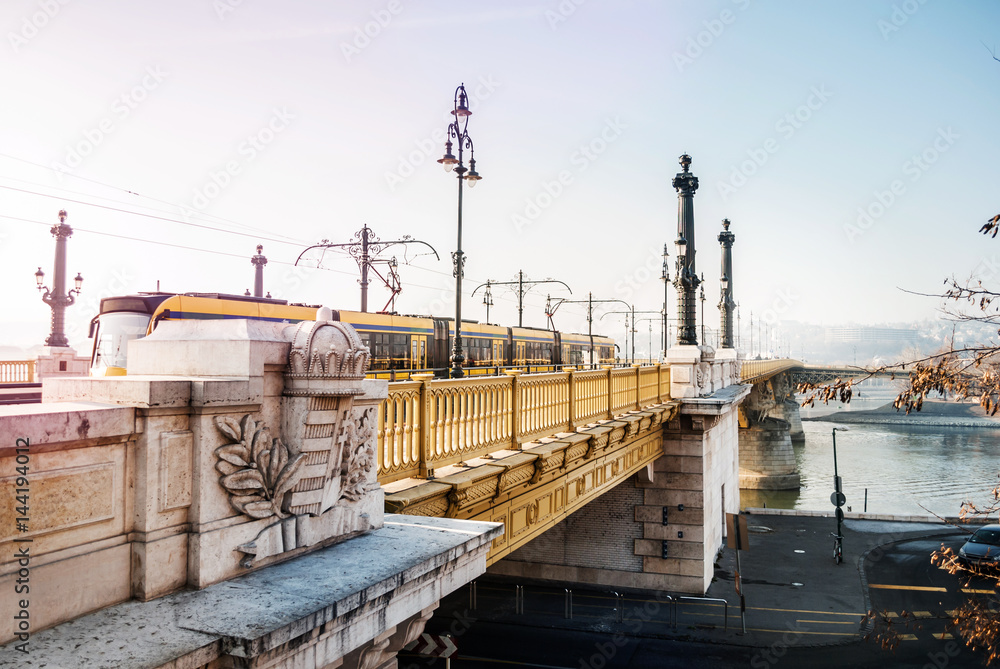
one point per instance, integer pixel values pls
(571, 414)
(638, 385)
(426, 429)
(608, 370)
(515, 410)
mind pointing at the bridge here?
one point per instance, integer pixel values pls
(618, 477)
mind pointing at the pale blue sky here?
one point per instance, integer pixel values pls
(352, 129)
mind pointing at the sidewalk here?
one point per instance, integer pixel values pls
(795, 592)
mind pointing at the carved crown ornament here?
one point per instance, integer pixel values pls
(327, 349)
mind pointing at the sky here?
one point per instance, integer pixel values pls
(851, 144)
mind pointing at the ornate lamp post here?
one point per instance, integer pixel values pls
(458, 129)
(726, 304)
(258, 261)
(686, 279)
(57, 298)
(838, 500)
(666, 289)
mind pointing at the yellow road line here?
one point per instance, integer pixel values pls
(922, 614)
(788, 631)
(973, 591)
(907, 637)
(919, 588)
(825, 613)
(829, 622)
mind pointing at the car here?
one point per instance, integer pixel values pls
(982, 549)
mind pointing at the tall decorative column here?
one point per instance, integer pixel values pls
(686, 278)
(726, 304)
(258, 262)
(57, 298)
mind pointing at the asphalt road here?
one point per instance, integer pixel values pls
(786, 626)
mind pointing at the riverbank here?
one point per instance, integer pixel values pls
(935, 413)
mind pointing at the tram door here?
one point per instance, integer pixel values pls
(418, 352)
(519, 353)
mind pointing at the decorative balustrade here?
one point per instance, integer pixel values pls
(17, 371)
(427, 423)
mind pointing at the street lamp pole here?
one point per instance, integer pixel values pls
(458, 129)
(666, 291)
(685, 277)
(838, 500)
(57, 298)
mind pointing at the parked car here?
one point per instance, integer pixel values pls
(982, 549)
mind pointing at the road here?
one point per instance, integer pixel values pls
(649, 632)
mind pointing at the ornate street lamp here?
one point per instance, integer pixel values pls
(726, 303)
(57, 298)
(686, 279)
(838, 500)
(458, 129)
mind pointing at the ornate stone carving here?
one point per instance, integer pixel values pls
(359, 458)
(256, 470)
(328, 349)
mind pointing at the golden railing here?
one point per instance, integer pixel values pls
(17, 371)
(427, 423)
(753, 371)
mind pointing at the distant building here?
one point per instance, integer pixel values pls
(870, 334)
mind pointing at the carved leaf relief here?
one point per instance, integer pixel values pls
(256, 470)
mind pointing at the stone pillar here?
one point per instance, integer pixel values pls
(60, 361)
(767, 461)
(788, 411)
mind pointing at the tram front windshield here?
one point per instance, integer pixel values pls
(113, 335)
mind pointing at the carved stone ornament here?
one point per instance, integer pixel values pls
(328, 349)
(359, 458)
(256, 470)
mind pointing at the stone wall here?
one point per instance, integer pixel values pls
(767, 459)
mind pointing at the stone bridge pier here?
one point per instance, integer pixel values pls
(661, 528)
(769, 424)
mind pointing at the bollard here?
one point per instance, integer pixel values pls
(473, 599)
(519, 600)
(568, 605)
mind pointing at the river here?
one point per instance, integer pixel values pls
(905, 469)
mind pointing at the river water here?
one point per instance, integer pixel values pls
(902, 468)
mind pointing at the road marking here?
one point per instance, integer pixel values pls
(825, 613)
(952, 613)
(829, 622)
(923, 614)
(519, 664)
(919, 588)
(973, 591)
(787, 631)
(907, 637)
(946, 635)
